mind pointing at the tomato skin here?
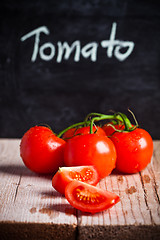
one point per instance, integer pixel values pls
(110, 130)
(134, 150)
(41, 150)
(91, 149)
(82, 131)
(65, 175)
(88, 198)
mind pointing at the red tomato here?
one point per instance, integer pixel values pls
(82, 131)
(110, 130)
(88, 198)
(65, 175)
(134, 150)
(42, 151)
(91, 149)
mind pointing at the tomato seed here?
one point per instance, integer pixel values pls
(82, 177)
(84, 196)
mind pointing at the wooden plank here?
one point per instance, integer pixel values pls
(29, 206)
(137, 215)
(31, 209)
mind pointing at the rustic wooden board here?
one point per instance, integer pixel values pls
(137, 216)
(29, 206)
(31, 209)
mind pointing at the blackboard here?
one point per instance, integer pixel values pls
(60, 60)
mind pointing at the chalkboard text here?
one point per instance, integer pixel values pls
(121, 50)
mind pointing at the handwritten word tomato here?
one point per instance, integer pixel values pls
(65, 175)
(88, 198)
(134, 150)
(41, 150)
(82, 131)
(91, 149)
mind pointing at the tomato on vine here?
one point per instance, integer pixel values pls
(109, 130)
(134, 150)
(91, 149)
(41, 150)
(134, 145)
(82, 131)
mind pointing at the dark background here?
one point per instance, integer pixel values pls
(60, 94)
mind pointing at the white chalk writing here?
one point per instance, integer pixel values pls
(113, 47)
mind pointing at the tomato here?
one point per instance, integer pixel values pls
(109, 130)
(134, 150)
(41, 150)
(65, 175)
(91, 149)
(88, 198)
(82, 131)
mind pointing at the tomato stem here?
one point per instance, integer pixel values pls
(126, 121)
(115, 117)
(72, 126)
(92, 114)
(91, 118)
(99, 118)
(134, 117)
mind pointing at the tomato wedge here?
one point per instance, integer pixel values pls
(88, 198)
(65, 175)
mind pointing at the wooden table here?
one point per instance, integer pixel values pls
(31, 209)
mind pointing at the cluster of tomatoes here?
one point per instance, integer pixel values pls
(84, 153)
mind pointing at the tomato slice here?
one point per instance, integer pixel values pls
(65, 175)
(88, 198)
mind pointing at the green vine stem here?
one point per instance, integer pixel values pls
(118, 117)
(73, 126)
(96, 117)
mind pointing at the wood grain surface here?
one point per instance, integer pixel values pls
(31, 209)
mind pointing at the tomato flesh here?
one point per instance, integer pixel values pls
(91, 149)
(89, 198)
(65, 175)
